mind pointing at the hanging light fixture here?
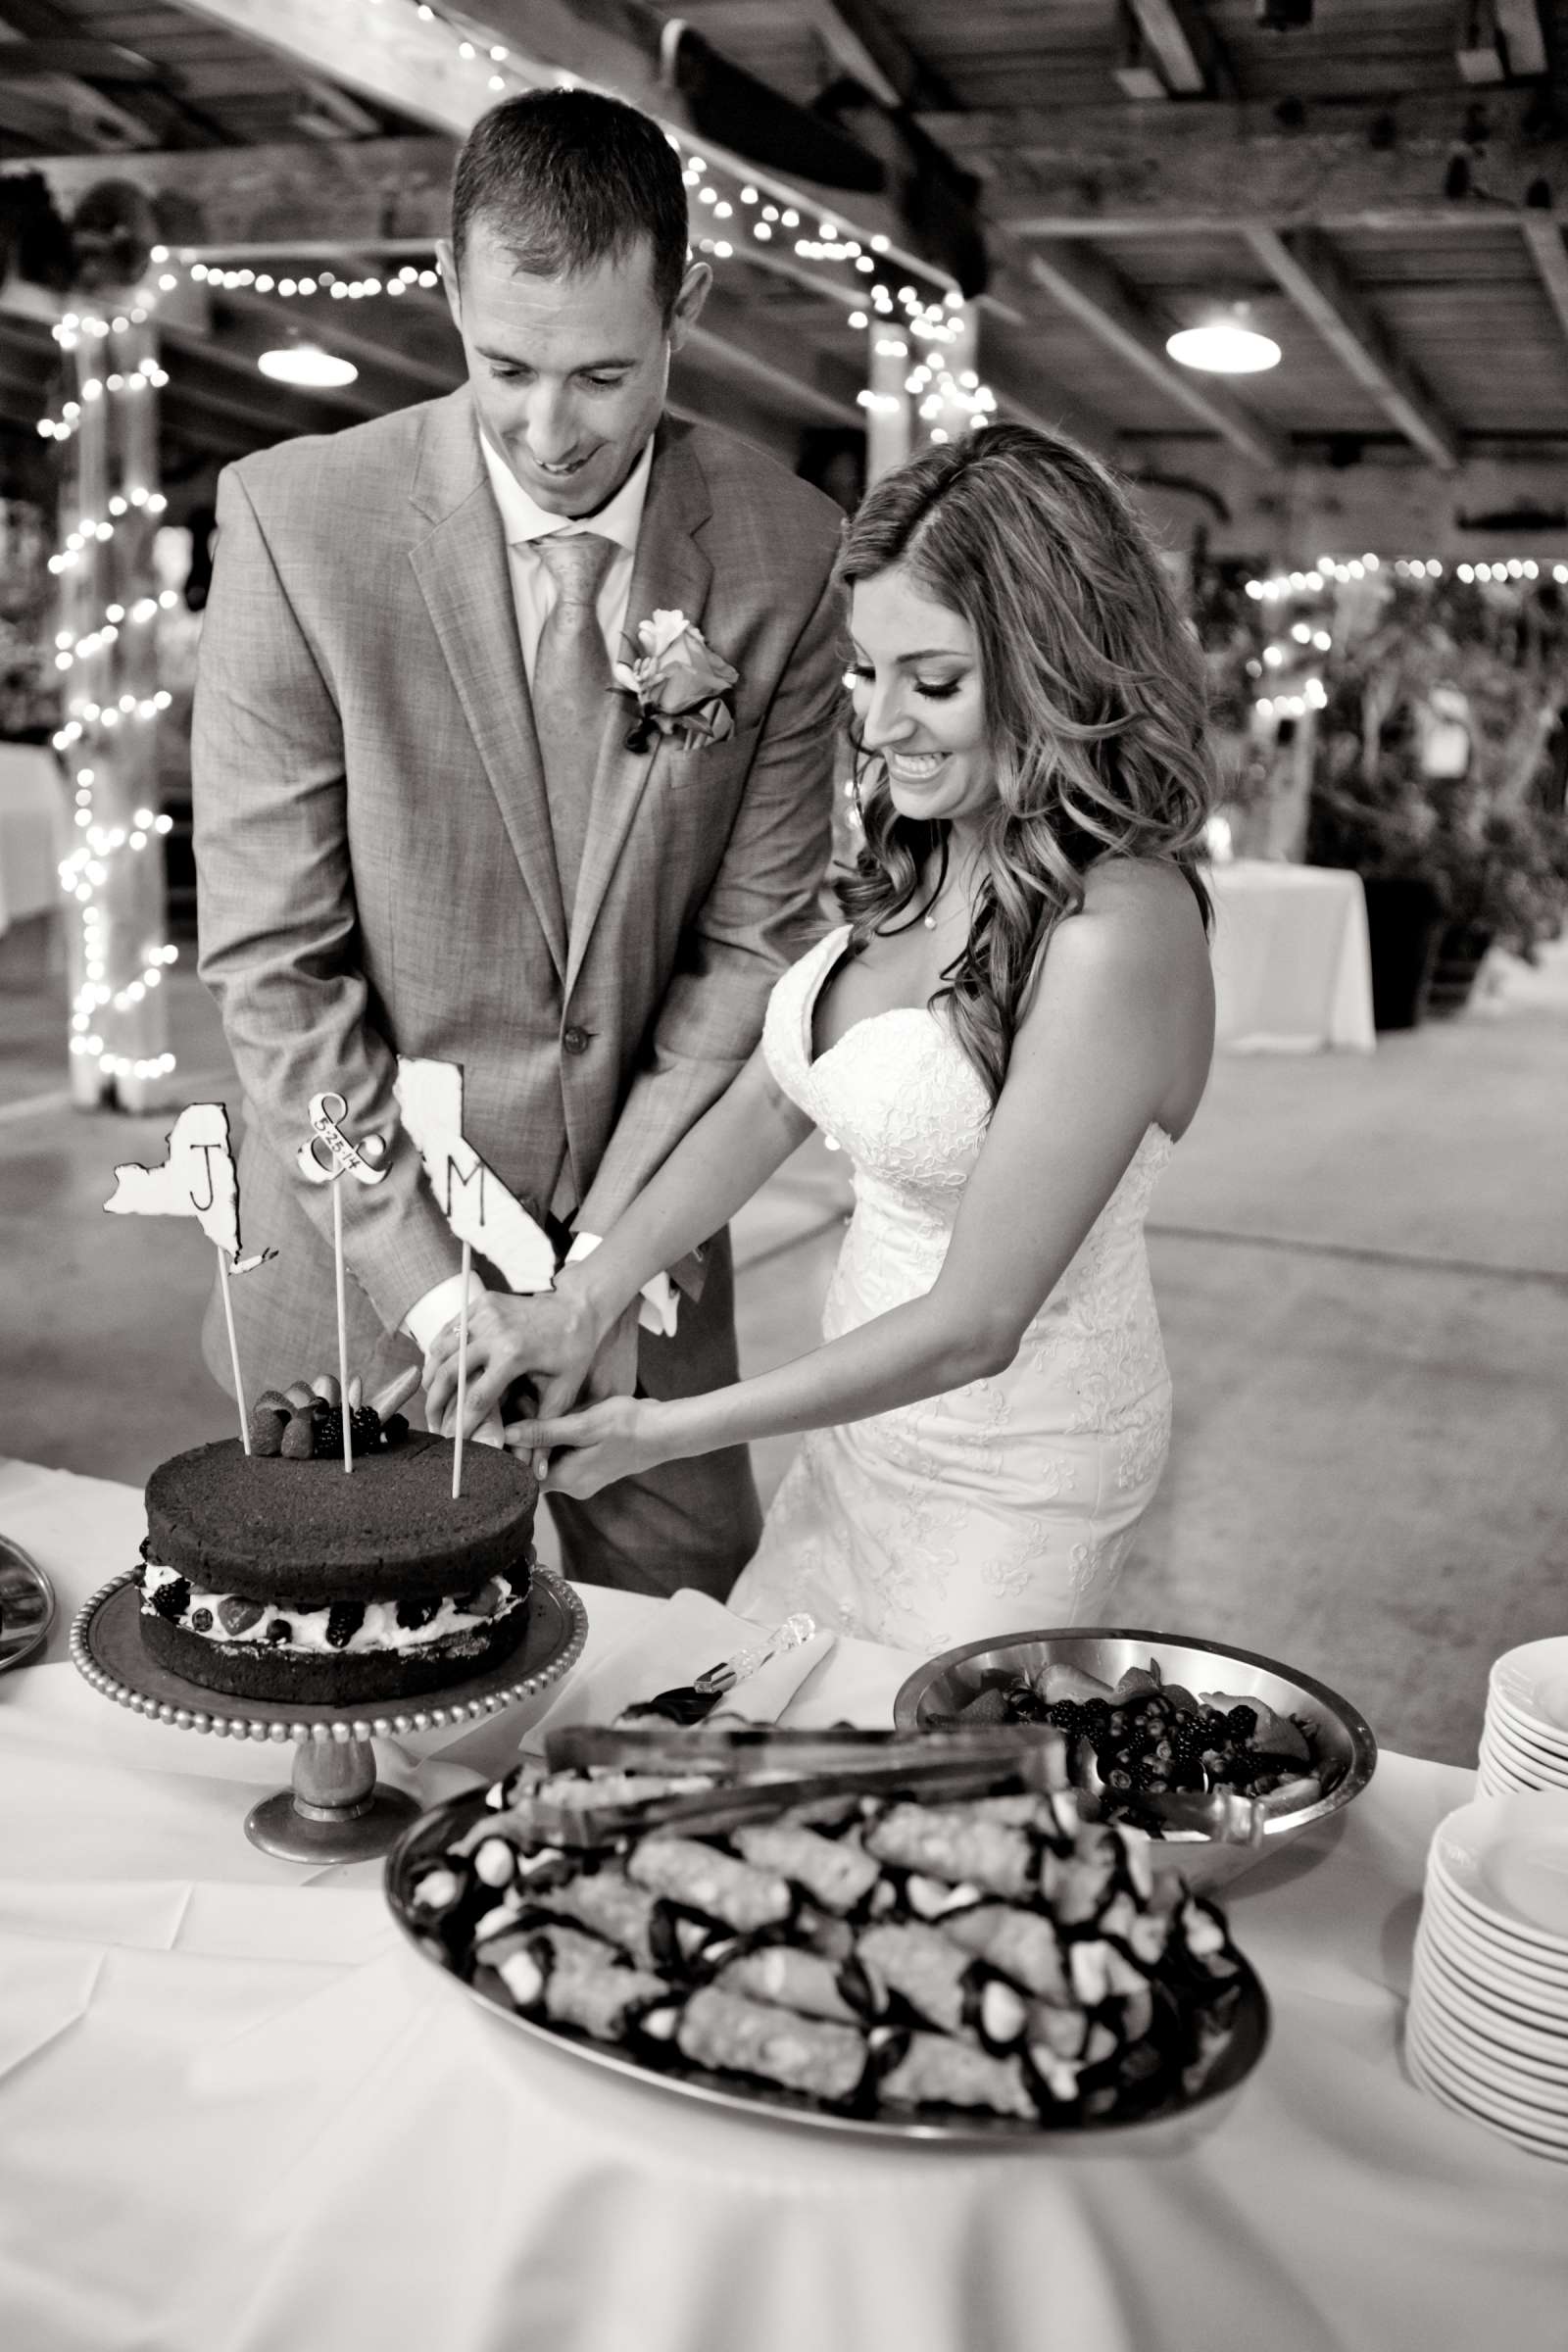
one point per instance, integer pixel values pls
(1224, 344)
(307, 363)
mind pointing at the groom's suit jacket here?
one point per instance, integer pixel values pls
(375, 861)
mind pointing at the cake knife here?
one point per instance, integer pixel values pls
(689, 1702)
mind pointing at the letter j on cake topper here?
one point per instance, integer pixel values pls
(197, 1180)
(343, 1158)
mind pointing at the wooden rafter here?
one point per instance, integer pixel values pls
(1322, 289)
(1188, 170)
(1087, 286)
(1543, 234)
(1180, 40)
(403, 61)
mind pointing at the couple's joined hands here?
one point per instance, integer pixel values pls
(555, 1343)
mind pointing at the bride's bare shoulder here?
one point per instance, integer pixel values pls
(1139, 915)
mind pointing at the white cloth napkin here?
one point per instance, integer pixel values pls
(689, 1635)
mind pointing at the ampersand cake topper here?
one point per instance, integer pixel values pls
(343, 1158)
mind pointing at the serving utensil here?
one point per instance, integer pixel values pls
(689, 1702)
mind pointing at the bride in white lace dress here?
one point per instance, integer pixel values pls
(1006, 1036)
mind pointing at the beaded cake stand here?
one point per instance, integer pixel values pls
(335, 1811)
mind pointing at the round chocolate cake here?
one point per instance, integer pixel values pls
(291, 1580)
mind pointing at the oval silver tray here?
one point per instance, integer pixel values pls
(421, 1844)
(26, 1606)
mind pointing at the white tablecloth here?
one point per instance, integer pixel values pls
(237, 2114)
(1293, 973)
(31, 816)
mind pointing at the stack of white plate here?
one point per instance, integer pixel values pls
(1488, 2024)
(1524, 1743)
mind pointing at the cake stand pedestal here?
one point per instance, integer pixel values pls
(335, 1811)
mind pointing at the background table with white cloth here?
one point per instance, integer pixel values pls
(32, 818)
(238, 2114)
(1293, 969)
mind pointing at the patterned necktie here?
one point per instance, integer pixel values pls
(570, 680)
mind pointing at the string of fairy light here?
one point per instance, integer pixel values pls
(1306, 636)
(85, 873)
(735, 216)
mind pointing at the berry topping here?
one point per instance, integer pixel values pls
(280, 1629)
(364, 1430)
(273, 1400)
(485, 1602)
(396, 1432)
(412, 1614)
(237, 1616)
(299, 1439)
(344, 1621)
(172, 1600)
(266, 1430)
(201, 1621)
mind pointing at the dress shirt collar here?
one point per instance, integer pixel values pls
(522, 521)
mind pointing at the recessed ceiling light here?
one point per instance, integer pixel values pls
(1224, 346)
(307, 363)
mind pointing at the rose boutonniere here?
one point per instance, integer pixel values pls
(678, 683)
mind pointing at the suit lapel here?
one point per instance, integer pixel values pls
(670, 574)
(464, 577)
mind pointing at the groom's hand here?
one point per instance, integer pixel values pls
(551, 1340)
(613, 1373)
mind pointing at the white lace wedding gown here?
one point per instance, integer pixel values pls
(1010, 1502)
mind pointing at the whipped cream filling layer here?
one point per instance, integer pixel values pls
(306, 1632)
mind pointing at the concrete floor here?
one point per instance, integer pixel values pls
(1362, 1268)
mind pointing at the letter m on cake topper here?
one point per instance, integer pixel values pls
(475, 1201)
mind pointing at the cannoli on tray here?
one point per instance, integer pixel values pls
(935, 2071)
(729, 2034)
(835, 1872)
(955, 1842)
(988, 1954)
(702, 1879)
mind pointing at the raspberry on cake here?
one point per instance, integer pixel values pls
(277, 1578)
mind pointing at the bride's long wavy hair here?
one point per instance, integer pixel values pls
(1094, 698)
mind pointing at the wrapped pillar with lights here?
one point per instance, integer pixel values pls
(886, 399)
(954, 402)
(107, 653)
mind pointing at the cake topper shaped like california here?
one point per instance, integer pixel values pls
(475, 1201)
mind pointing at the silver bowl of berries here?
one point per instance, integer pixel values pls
(1222, 1755)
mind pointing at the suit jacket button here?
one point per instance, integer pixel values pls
(576, 1040)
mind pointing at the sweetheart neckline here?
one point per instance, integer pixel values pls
(814, 1060)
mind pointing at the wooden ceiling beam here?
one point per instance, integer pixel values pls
(1523, 36)
(1177, 36)
(865, 46)
(1087, 286)
(1543, 234)
(346, 193)
(1187, 169)
(400, 61)
(102, 120)
(1316, 280)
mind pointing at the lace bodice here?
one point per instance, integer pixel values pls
(899, 1094)
(1007, 1503)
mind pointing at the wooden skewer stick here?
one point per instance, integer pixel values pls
(463, 1372)
(342, 1327)
(233, 1348)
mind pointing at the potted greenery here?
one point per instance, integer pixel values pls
(1455, 851)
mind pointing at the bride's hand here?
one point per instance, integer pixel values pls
(615, 1438)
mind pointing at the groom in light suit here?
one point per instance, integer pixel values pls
(426, 821)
